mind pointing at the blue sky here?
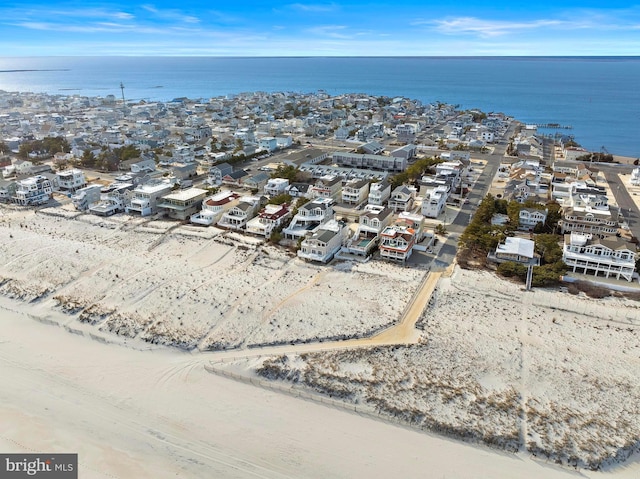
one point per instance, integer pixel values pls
(353, 28)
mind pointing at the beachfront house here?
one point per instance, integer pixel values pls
(181, 204)
(145, 197)
(238, 216)
(587, 211)
(309, 217)
(324, 242)
(518, 250)
(86, 197)
(268, 220)
(35, 190)
(214, 207)
(609, 257)
(371, 224)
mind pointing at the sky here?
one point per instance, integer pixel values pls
(337, 28)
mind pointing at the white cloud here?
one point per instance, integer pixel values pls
(487, 28)
(317, 8)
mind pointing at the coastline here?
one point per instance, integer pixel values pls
(92, 372)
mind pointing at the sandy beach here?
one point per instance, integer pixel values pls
(152, 305)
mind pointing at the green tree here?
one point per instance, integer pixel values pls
(285, 171)
(280, 199)
(548, 247)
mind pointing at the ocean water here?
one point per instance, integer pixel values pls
(598, 96)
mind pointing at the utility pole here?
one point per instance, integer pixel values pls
(122, 89)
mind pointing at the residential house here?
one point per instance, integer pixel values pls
(298, 190)
(7, 190)
(276, 187)
(405, 152)
(214, 207)
(35, 190)
(514, 249)
(406, 133)
(86, 197)
(268, 143)
(256, 182)
(184, 171)
(371, 224)
(309, 216)
(587, 211)
(402, 198)
(238, 216)
(324, 242)
(435, 201)
(235, 178)
(397, 242)
(530, 217)
(606, 257)
(143, 166)
(145, 197)
(635, 177)
(180, 205)
(355, 192)
(268, 220)
(71, 180)
(113, 199)
(379, 193)
(326, 187)
(216, 173)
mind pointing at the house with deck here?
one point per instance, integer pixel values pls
(355, 192)
(322, 244)
(379, 192)
(518, 250)
(402, 198)
(435, 200)
(71, 180)
(276, 187)
(326, 187)
(144, 201)
(237, 217)
(371, 224)
(268, 220)
(309, 217)
(529, 218)
(608, 257)
(181, 204)
(214, 207)
(35, 190)
(86, 197)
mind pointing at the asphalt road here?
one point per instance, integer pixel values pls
(628, 208)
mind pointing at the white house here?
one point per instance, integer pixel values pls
(607, 257)
(635, 177)
(309, 216)
(435, 200)
(145, 198)
(379, 193)
(519, 250)
(71, 180)
(276, 186)
(530, 217)
(35, 190)
(268, 143)
(214, 207)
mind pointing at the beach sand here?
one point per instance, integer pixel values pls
(132, 404)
